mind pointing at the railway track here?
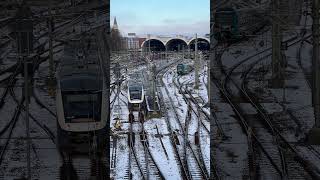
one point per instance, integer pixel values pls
(198, 109)
(278, 162)
(173, 136)
(247, 128)
(152, 168)
(17, 68)
(10, 127)
(58, 28)
(115, 96)
(132, 164)
(295, 170)
(140, 156)
(196, 112)
(11, 83)
(190, 98)
(40, 102)
(191, 166)
(297, 164)
(142, 153)
(12, 123)
(303, 32)
(134, 161)
(21, 108)
(67, 170)
(113, 146)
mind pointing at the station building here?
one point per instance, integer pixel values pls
(156, 43)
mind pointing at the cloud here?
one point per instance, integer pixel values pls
(174, 20)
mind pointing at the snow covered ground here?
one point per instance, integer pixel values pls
(164, 155)
(294, 117)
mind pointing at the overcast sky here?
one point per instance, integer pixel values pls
(161, 17)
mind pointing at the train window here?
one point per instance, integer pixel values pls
(82, 107)
(135, 92)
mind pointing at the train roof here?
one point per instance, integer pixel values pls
(132, 83)
(79, 66)
(137, 76)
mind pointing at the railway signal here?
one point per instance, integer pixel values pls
(196, 138)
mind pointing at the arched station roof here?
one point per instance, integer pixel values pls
(173, 43)
(155, 44)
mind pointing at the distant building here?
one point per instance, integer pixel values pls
(132, 41)
(124, 43)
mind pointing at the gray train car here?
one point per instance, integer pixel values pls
(81, 97)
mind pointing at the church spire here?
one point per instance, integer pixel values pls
(115, 24)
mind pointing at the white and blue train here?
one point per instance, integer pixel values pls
(136, 94)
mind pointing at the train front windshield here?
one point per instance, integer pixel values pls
(82, 106)
(135, 92)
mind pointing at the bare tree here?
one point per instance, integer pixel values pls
(115, 40)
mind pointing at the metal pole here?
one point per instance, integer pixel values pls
(208, 80)
(183, 47)
(26, 91)
(316, 62)
(26, 83)
(166, 53)
(154, 87)
(50, 54)
(183, 51)
(283, 68)
(178, 51)
(118, 76)
(276, 41)
(196, 64)
(149, 46)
